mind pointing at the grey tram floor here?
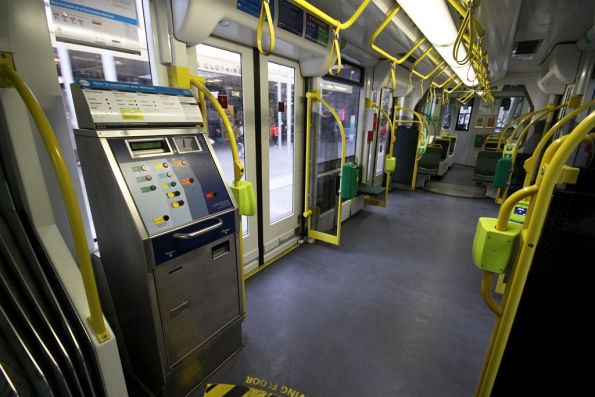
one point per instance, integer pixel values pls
(395, 310)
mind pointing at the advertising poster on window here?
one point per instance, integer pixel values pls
(110, 24)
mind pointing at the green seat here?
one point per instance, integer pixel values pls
(430, 161)
(485, 167)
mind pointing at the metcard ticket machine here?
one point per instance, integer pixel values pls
(166, 229)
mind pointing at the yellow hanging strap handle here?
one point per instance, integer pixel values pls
(466, 25)
(393, 76)
(312, 96)
(238, 166)
(335, 52)
(265, 11)
(553, 166)
(70, 201)
(336, 25)
(530, 163)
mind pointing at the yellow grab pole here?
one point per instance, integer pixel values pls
(326, 237)
(533, 227)
(509, 203)
(70, 201)
(502, 192)
(238, 167)
(520, 119)
(265, 11)
(307, 210)
(530, 163)
(238, 170)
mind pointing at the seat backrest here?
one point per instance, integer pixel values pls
(486, 162)
(451, 148)
(431, 158)
(444, 143)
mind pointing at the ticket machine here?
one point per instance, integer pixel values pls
(166, 228)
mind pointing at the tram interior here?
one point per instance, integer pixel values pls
(275, 198)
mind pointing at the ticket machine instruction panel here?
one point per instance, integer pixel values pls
(172, 190)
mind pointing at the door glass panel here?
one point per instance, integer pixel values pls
(344, 98)
(223, 72)
(383, 131)
(281, 140)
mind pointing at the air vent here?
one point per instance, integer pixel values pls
(525, 47)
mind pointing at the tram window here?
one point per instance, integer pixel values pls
(510, 108)
(446, 117)
(78, 61)
(86, 65)
(344, 98)
(133, 71)
(464, 117)
(350, 73)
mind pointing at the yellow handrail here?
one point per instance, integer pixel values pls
(70, 201)
(538, 117)
(439, 67)
(315, 234)
(238, 167)
(486, 293)
(265, 11)
(503, 191)
(536, 215)
(520, 119)
(337, 26)
(530, 163)
(395, 10)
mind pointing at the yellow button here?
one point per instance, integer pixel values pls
(158, 220)
(171, 195)
(165, 186)
(175, 204)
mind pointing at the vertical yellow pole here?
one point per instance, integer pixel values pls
(70, 201)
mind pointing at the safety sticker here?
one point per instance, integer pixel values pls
(224, 390)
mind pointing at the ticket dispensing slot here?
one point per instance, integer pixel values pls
(166, 229)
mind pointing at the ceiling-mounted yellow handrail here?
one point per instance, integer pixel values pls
(525, 252)
(439, 67)
(337, 26)
(335, 239)
(265, 11)
(530, 163)
(454, 88)
(445, 82)
(73, 209)
(395, 10)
